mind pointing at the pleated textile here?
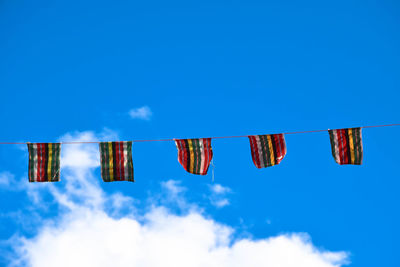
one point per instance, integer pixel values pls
(267, 150)
(347, 146)
(195, 154)
(116, 161)
(44, 162)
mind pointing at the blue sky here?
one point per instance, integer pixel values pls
(75, 70)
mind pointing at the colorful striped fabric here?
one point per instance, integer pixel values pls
(267, 150)
(116, 161)
(44, 162)
(347, 146)
(195, 154)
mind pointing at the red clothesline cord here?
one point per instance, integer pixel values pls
(215, 137)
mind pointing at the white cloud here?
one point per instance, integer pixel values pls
(218, 195)
(142, 113)
(87, 232)
(6, 178)
(219, 189)
(95, 239)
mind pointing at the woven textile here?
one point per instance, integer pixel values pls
(44, 162)
(347, 146)
(195, 154)
(116, 161)
(267, 150)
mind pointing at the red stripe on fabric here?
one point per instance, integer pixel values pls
(39, 162)
(118, 160)
(340, 146)
(38, 148)
(120, 169)
(117, 176)
(345, 155)
(281, 148)
(122, 160)
(257, 153)
(185, 151)
(196, 156)
(338, 134)
(278, 152)
(254, 150)
(283, 145)
(205, 159)
(211, 153)
(44, 157)
(208, 154)
(182, 159)
(253, 156)
(45, 160)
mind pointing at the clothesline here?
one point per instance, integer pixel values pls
(214, 137)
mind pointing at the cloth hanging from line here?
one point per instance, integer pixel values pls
(116, 161)
(44, 162)
(347, 146)
(267, 150)
(195, 154)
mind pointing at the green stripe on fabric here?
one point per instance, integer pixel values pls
(30, 164)
(54, 171)
(104, 154)
(187, 153)
(265, 150)
(101, 159)
(53, 158)
(108, 157)
(58, 168)
(359, 145)
(356, 145)
(194, 149)
(197, 156)
(106, 162)
(34, 162)
(129, 162)
(193, 162)
(332, 138)
(259, 150)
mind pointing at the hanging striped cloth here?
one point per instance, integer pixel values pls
(194, 154)
(347, 146)
(44, 162)
(116, 161)
(267, 150)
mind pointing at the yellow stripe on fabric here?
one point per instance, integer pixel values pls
(191, 155)
(271, 150)
(49, 162)
(350, 133)
(110, 161)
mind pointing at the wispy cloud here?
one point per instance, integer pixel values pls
(142, 113)
(6, 178)
(218, 196)
(220, 190)
(87, 232)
